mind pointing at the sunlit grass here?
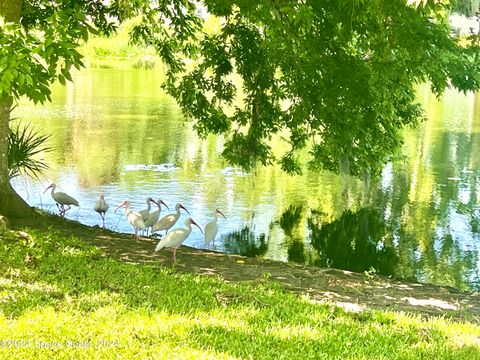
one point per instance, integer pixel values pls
(64, 299)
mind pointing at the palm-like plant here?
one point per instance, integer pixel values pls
(24, 143)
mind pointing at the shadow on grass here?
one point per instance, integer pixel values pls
(48, 270)
(353, 291)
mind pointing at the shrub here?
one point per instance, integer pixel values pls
(24, 143)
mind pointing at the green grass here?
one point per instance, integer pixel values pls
(61, 298)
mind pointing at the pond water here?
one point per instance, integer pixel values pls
(115, 130)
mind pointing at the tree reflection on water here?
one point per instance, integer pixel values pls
(289, 222)
(356, 241)
(244, 242)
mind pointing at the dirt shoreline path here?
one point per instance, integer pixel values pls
(349, 290)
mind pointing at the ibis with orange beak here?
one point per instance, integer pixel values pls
(176, 237)
(62, 199)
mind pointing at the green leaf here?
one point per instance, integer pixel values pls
(61, 78)
(24, 144)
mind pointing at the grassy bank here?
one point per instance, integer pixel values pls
(63, 298)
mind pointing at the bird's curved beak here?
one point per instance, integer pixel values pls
(119, 206)
(194, 223)
(161, 202)
(49, 186)
(184, 208)
(218, 211)
(156, 203)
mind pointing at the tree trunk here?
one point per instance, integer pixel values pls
(11, 204)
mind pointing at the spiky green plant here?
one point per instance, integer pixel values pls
(24, 143)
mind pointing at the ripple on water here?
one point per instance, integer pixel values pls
(153, 167)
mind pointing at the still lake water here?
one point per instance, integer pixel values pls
(115, 130)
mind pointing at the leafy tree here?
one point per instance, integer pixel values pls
(333, 77)
(38, 41)
(466, 7)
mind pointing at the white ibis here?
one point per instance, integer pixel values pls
(134, 217)
(211, 228)
(154, 215)
(146, 212)
(62, 199)
(176, 237)
(101, 207)
(169, 220)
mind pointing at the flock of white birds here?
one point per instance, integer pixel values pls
(146, 220)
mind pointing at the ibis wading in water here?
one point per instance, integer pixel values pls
(101, 207)
(134, 217)
(62, 200)
(211, 228)
(154, 215)
(169, 220)
(176, 237)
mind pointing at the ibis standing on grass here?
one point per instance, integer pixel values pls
(62, 200)
(134, 217)
(176, 237)
(211, 228)
(169, 220)
(101, 207)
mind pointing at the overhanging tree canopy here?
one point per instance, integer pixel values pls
(335, 77)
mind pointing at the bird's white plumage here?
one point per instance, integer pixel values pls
(62, 199)
(134, 217)
(176, 237)
(211, 229)
(154, 215)
(101, 207)
(146, 212)
(169, 220)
